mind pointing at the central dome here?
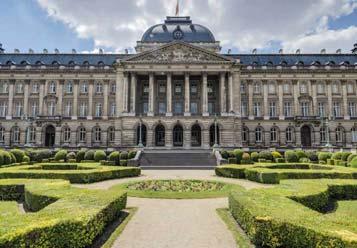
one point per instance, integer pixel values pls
(178, 28)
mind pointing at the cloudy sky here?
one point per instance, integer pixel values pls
(241, 25)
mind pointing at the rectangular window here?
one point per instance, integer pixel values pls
(146, 88)
(34, 109)
(68, 109)
(194, 89)
(271, 88)
(4, 87)
(84, 88)
(288, 109)
(162, 108)
(211, 108)
(286, 88)
(178, 89)
(113, 88)
(98, 110)
(244, 109)
(303, 88)
(35, 88)
(210, 88)
(83, 109)
(352, 109)
(304, 106)
(336, 109)
(256, 109)
(145, 107)
(242, 88)
(178, 108)
(350, 88)
(19, 88)
(112, 109)
(321, 107)
(257, 88)
(272, 109)
(194, 108)
(51, 108)
(321, 88)
(162, 88)
(3, 109)
(69, 88)
(335, 88)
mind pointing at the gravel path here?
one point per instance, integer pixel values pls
(161, 223)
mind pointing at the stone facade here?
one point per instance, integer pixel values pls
(178, 95)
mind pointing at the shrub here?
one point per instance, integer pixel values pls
(261, 160)
(351, 157)
(114, 157)
(354, 163)
(304, 160)
(71, 156)
(61, 155)
(1, 158)
(291, 157)
(300, 154)
(232, 161)
(322, 162)
(265, 155)
(89, 155)
(7, 157)
(13, 158)
(99, 155)
(71, 160)
(312, 156)
(231, 154)
(337, 155)
(19, 155)
(123, 162)
(26, 159)
(330, 161)
(80, 155)
(131, 154)
(224, 154)
(324, 156)
(254, 156)
(238, 154)
(276, 154)
(246, 156)
(345, 156)
(123, 156)
(280, 160)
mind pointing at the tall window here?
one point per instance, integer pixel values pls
(211, 108)
(35, 88)
(350, 88)
(340, 133)
(194, 108)
(256, 109)
(69, 87)
(289, 134)
(98, 110)
(66, 135)
(303, 88)
(18, 109)
(112, 109)
(52, 88)
(82, 135)
(245, 135)
(162, 108)
(178, 108)
(162, 88)
(83, 109)
(288, 109)
(97, 133)
(113, 88)
(244, 108)
(258, 135)
(257, 88)
(19, 88)
(3, 109)
(2, 135)
(354, 134)
(51, 108)
(304, 108)
(272, 109)
(4, 87)
(274, 135)
(242, 88)
(323, 134)
(68, 109)
(15, 135)
(145, 107)
(286, 88)
(352, 109)
(321, 106)
(84, 88)
(336, 109)
(31, 134)
(98, 88)
(111, 135)
(335, 88)
(321, 88)
(271, 88)
(210, 88)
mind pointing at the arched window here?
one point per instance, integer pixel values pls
(15, 135)
(2, 135)
(259, 135)
(101, 64)
(245, 135)
(82, 134)
(274, 135)
(323, 135)
(31, 135)
(97, 134)
(71, 63)
(111, 135)
(55, 63)
(340, 134)
(354, 134)
(289, 134)
(66, 135)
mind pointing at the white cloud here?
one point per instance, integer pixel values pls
(243, 24)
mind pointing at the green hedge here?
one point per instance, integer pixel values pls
(82, 173)
(273, 173)
(63, 216)
(293, 214)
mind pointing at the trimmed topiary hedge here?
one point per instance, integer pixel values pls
(114, 157)
(89, 155)
(99, 156)
(61, 216)
(61, 155)
(19, 155)
(293, 214)
(77, 173)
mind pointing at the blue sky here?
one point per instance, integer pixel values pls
(242, 25)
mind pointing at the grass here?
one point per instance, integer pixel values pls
(242, 240)
(222, 192)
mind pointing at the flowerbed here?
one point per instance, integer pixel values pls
(61, 215)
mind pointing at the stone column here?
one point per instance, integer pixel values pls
(204, 95)
(329, 97)
(126, 93)
(90, 98)
(296, 98)
(281, 100)
(41, 97)
(59, 96)
(133, 94)
(75, 100)
(236, 94)
(151, 94)
(314, 98)
(169, 95)
(222, 91)
(11, 100)
(119, 92)
(250, 100)
(265, 100)
(106, 97)
(187, 95)
(26, 97)
(345, 101)
(230, 93)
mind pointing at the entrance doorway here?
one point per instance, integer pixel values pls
(306, 136)
(178, 136)
(50, 134)
(213, 131)
(196, 140)
(143, 135)
(160, 135)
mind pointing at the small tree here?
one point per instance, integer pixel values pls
(291, 157)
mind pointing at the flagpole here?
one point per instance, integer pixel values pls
(178, 8)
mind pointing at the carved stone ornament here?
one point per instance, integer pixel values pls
(178, 52)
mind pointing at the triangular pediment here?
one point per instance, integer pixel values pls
(178, 52)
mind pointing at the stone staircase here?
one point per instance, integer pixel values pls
(177, 160)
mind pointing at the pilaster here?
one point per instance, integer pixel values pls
(133, 86)
(169, 95)
(204, 95)
(11, 100)
(119, 91)
(151, 94)
(59, 95)
(222, 91)
(26, 97)
(106, 98)
(75, 99)
(281, 100)
(90, 100)
(187, 94)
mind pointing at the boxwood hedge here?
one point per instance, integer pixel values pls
(61, 216)
(273, 173)
(293, 214)
(75, 173)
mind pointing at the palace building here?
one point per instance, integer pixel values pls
(178, 92)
